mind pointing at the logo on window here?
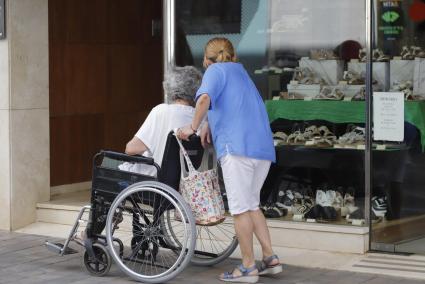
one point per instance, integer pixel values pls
(390, 16)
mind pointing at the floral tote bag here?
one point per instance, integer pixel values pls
(201, 190)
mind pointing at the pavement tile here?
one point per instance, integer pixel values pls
(25, 260)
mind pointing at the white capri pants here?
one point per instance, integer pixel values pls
(243, 178)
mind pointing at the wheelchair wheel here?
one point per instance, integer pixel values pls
(101, 264)
(135, 218)
(213, 243)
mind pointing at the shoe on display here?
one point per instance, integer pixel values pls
(329, 213)
(286, 199)
(274, 211)
(338, 200)
(308, 201)
(280, 138)
(315, 212)
(331, 196)
(358, 214)
(349, 205)
(323, 198)
(379, 206)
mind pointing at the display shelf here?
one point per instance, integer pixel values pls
(340, 112)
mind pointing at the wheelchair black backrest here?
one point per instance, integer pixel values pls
(170, 167)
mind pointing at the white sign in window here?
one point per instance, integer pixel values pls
(388, 116)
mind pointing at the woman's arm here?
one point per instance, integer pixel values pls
(202, 106)
(135, 146)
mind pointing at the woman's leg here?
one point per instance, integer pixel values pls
(244, 231)
(262, 233)
(260, 225)
(237, 175)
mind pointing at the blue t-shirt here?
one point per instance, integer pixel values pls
(237, 116)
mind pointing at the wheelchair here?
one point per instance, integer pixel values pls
(150, 231)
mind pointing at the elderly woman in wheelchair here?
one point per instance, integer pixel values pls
(137, 216)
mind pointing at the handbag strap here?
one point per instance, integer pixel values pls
(185, 154)
(209, 159)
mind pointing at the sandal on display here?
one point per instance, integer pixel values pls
(306, 76)
(327, 138)
(280, 138)
(291, 96)
(353, 78)
(311, 132)
(267, 268)
(328, 93)
(362, 54)
(417, 51)
(245, 277)
(379, 56)
(296, 138)
(406, 87)
(354, 136)
(322, 137)
(360, 95)
(406, 54)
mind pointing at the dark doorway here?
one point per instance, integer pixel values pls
(105, 76)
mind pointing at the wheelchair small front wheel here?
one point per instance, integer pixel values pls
(100, 265)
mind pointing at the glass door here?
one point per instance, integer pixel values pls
(398, 157)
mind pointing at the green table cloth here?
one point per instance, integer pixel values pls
(340, 112)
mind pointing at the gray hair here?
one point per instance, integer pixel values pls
(182, 83)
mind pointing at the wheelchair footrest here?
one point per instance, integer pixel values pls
(58, 247)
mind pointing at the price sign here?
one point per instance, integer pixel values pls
(388, 116)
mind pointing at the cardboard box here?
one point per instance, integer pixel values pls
(380, 72)
(419, 77)
(306, 91)
(331, 71)
(401, 70)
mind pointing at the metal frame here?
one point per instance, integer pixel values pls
(169, 35)
(169, 60)
(368, 114)
(2, 19)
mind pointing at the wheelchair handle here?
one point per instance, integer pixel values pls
(128, 158)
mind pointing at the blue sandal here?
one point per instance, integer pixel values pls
(244, 278)
(265, 268)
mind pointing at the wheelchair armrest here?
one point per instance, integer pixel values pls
(128, 158)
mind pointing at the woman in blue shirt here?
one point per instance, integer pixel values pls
(239, 127)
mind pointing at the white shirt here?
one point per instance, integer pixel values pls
(153, 133)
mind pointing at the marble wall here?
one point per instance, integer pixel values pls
(25, 104)
(4, 137)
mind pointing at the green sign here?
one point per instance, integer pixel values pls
(391, 23)
(390, 16)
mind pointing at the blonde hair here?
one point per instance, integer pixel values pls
(220, 49)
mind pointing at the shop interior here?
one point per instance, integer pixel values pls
(312, 73)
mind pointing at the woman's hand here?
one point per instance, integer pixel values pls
(205, 135)
(185, 132)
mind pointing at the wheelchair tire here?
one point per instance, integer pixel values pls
(144, 241)
(102, 264)
(207, 254)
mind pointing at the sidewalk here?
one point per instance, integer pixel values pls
(24, 259)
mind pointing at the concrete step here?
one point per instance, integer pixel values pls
(63, 210)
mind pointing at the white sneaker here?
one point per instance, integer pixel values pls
(321, 198)
(330, 197)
